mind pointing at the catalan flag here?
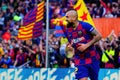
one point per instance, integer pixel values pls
(83, 13)
(32, 23)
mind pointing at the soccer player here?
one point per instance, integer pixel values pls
(82, 36)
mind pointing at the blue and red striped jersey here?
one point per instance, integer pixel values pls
(82, 34)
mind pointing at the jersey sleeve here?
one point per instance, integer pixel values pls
(88, 27)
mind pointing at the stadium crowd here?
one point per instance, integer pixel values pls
(32, 53)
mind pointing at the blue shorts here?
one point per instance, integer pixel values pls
(88, 70)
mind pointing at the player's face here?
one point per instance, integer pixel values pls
(70, 18)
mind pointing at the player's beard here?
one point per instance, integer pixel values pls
(70, 25)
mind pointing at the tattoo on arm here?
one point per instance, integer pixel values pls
(97, 36)
(94, 32)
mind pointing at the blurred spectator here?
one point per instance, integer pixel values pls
(7, 62)
(21, 58)
(1, 50)
(109, 15)
(107, 57)
(1, 23)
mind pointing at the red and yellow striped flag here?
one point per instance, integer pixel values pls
(32, 23)
(83, 13)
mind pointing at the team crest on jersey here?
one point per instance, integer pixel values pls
(79, 33)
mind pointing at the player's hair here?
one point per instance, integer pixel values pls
(72, 9)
